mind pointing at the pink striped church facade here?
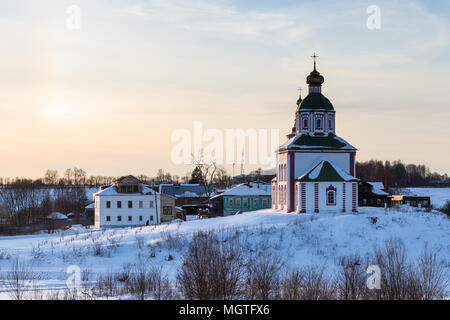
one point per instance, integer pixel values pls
(315, 168)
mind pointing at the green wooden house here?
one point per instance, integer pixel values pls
(243, 197)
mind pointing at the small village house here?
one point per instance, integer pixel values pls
(372, 194)
(127, 202)
(243, 197)
(188, 196)
(169, 211)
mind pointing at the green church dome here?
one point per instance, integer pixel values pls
(316, 101)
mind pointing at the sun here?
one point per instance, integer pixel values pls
(58, 110)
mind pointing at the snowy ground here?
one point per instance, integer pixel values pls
(299, 239)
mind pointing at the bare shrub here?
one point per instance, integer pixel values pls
(316, 285)
(446, 208)
(428, 280)
(106, 286)
(212, 268)
(140, 281)
(395, 271)
(263, 276)
(97, 249)
(291, 288)
(351, 278)
(18, 279)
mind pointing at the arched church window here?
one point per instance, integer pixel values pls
(331, 197)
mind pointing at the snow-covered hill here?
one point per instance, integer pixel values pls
(298, 239)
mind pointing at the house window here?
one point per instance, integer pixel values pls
(108, 204)
(238, 202)
(119, 218)
(255, 203)
(230, 202)
(245, 202)
(119, 204)
(130, 204)
(140, 218)
(331, 197)
(141, 204)
(130, 218)
(364, 202)
(151, 218)
(108, 218)
(167, 210)
(378, 201)
(264, 203)
(151, 203)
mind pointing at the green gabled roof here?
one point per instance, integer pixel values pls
(324, 171)
(316, 101)
(308, 142)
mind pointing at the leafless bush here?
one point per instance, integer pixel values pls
(85, 273)
(394, 270)
(97, 249)
(428, 280)
(4, 255)
(19, 279)
(212, 268)
(106, 285)
(446, 208)
(140, 281)
(351, 278)
(316, 284)
(263, 276)
(291, 287)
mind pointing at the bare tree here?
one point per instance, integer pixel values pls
(51, 177)
(207, 170)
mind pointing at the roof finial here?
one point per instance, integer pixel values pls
(314, 56)
(299, 96)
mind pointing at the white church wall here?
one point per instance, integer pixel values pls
(322, 197)
(305, 161)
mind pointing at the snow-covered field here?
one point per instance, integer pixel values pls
(298, 239)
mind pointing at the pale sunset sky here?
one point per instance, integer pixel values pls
(107, 97)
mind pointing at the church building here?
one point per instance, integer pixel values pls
(315, 167)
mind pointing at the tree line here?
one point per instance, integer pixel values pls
(399, 174)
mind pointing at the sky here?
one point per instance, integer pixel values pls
(108, 95)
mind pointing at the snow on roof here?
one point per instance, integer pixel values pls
(262, 185)
(307, 142)
(112, 190)
(246, 190)
(90, 206)
(377, 188)
(324, 170)
(57, 216)
(184, 189)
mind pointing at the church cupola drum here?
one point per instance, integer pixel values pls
(315, 168)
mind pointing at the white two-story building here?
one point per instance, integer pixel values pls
(127, 202)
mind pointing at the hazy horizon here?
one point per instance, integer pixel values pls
(108, 96)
